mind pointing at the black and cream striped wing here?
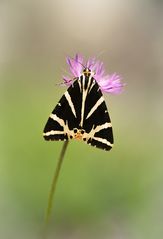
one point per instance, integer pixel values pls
(65, 117)
(96, 120)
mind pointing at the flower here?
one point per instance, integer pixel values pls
(108, 83)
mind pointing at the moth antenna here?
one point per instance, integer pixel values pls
(78, 62)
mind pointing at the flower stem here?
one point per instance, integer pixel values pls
(53, 186)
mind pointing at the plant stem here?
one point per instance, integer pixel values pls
(53, 186)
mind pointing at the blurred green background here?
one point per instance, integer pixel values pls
(116, 194)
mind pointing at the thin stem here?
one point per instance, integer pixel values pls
(53, 186)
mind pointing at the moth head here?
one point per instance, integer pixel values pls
(88, 72)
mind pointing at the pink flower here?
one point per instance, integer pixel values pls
(108, 83)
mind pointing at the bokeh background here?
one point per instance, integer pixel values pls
(117, 194)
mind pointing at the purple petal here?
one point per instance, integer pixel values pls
(108, 83)
(75, 66)
(79, 58)
(90, 63)
(111, 84)
(99, 69)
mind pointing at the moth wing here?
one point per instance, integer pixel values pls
(97, 123)
(65, 116)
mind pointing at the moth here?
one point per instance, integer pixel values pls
(81, 114)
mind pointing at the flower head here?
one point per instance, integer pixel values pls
(108, 83)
